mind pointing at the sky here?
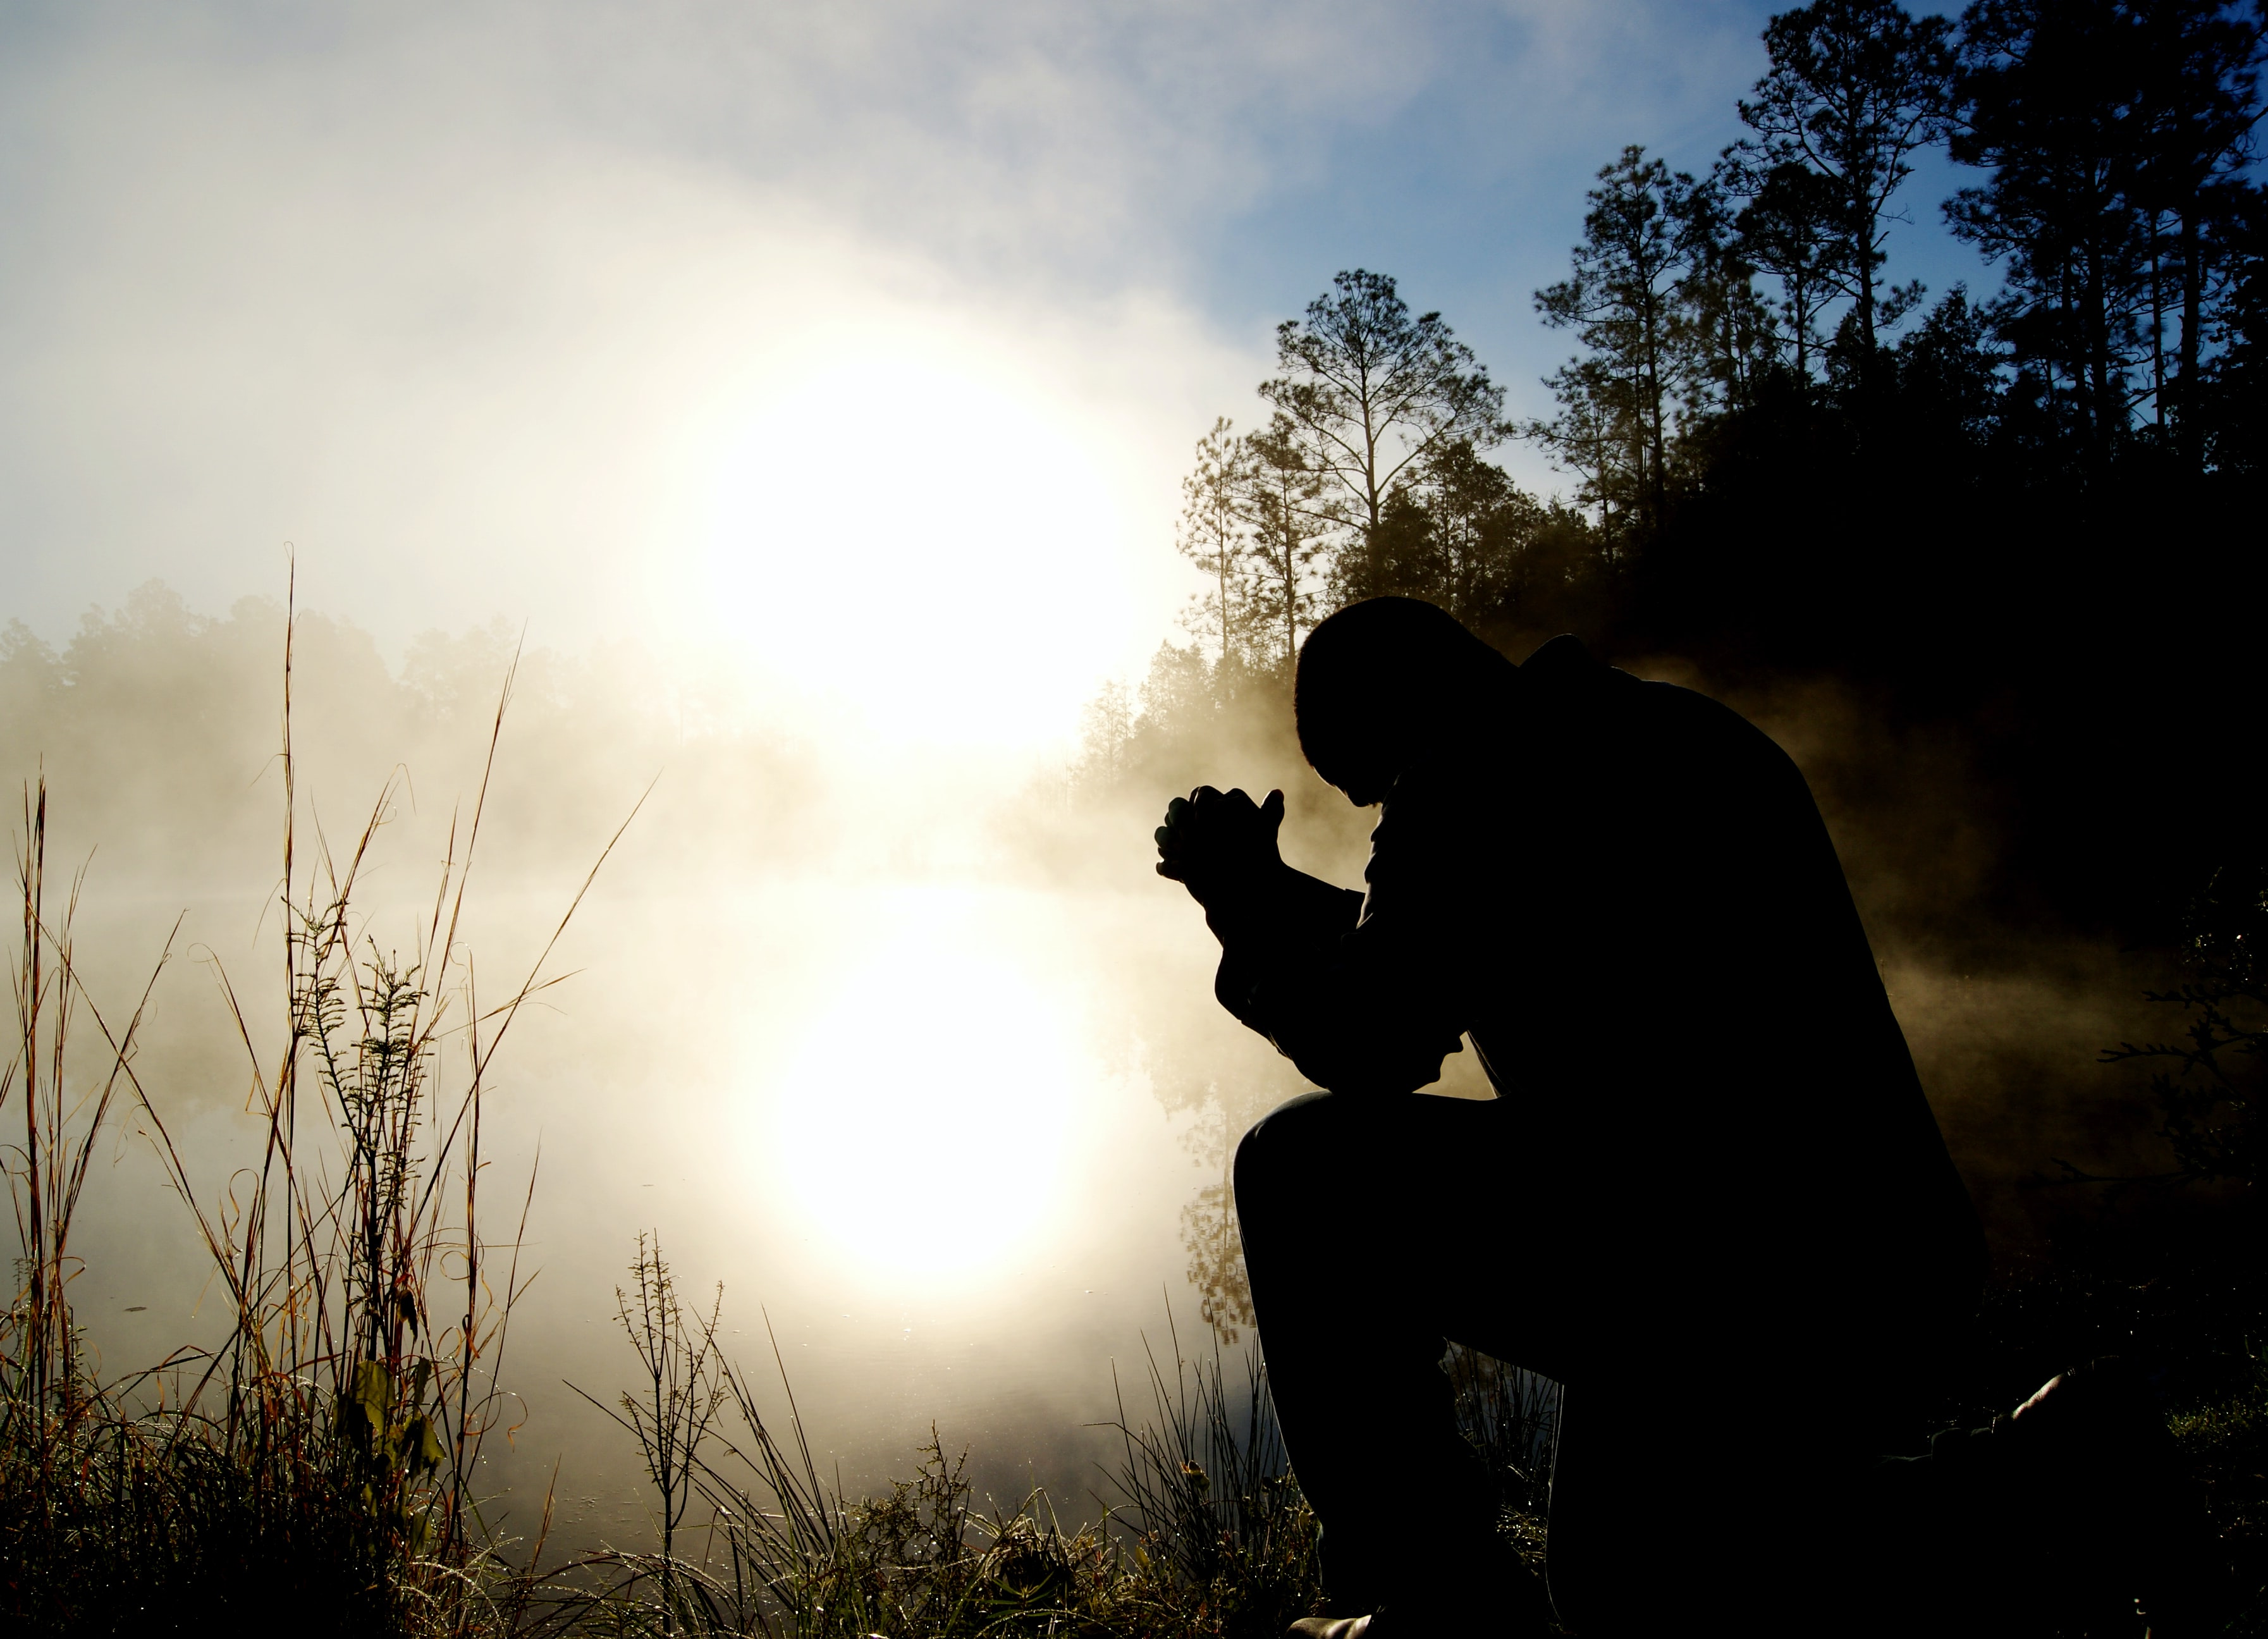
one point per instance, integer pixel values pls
(784, 332)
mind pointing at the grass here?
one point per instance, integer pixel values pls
(1512, 1417)
(323, 1456)
(2225, 1435)
(1202, 1530)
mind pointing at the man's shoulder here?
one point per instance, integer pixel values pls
(1567, 681)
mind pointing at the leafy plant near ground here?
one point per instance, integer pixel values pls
(2224, 1435)
(1206, 1534)
(2207, 1085)
(2192, 1314)
(1217, 1516)
(1512, 1418)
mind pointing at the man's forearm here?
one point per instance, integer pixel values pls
(1282, 924)
(1367, 1011)
(1284, 908)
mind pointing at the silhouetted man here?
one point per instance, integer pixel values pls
(1710, 1197)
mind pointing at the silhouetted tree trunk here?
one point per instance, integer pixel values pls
(2198, 106)
(1211, 534)
(2188, 426)
(1788, 229)
(1288, 508)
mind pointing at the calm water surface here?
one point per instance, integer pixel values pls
(950, 1142)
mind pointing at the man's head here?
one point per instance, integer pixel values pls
(1382, 681)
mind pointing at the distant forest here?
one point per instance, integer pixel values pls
(2032, 521)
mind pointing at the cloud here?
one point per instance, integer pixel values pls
(468, 301)
(472, 354)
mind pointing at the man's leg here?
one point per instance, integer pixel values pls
(1689, 1483)
(1373, 1231)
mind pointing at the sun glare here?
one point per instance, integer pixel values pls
(925, 1124)
(923, 537)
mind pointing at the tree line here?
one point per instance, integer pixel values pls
(1781, 461)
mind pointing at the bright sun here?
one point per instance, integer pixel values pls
(921, 534)
(923, 1125)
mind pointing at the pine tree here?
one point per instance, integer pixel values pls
(1727, 326)
(1367, 393)
(1212, 535)
(1623, 300)
(1287, 506)
(1787, 228)
(1595, 436)
(1856, 88)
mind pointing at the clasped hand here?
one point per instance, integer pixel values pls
(1220, 844)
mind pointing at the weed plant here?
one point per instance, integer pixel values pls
(1512, 1418)
(1208, 1538)
(1217, 1524)
(321, 1464)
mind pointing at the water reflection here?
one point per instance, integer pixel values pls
(1216, 1252)
(980, 1134)
(962, 1124)
(949, 1065)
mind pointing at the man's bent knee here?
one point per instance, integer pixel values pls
(1319, 1140)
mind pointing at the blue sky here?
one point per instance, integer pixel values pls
(640, 320)
(1471, 189)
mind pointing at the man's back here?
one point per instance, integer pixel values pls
(1666, 969)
